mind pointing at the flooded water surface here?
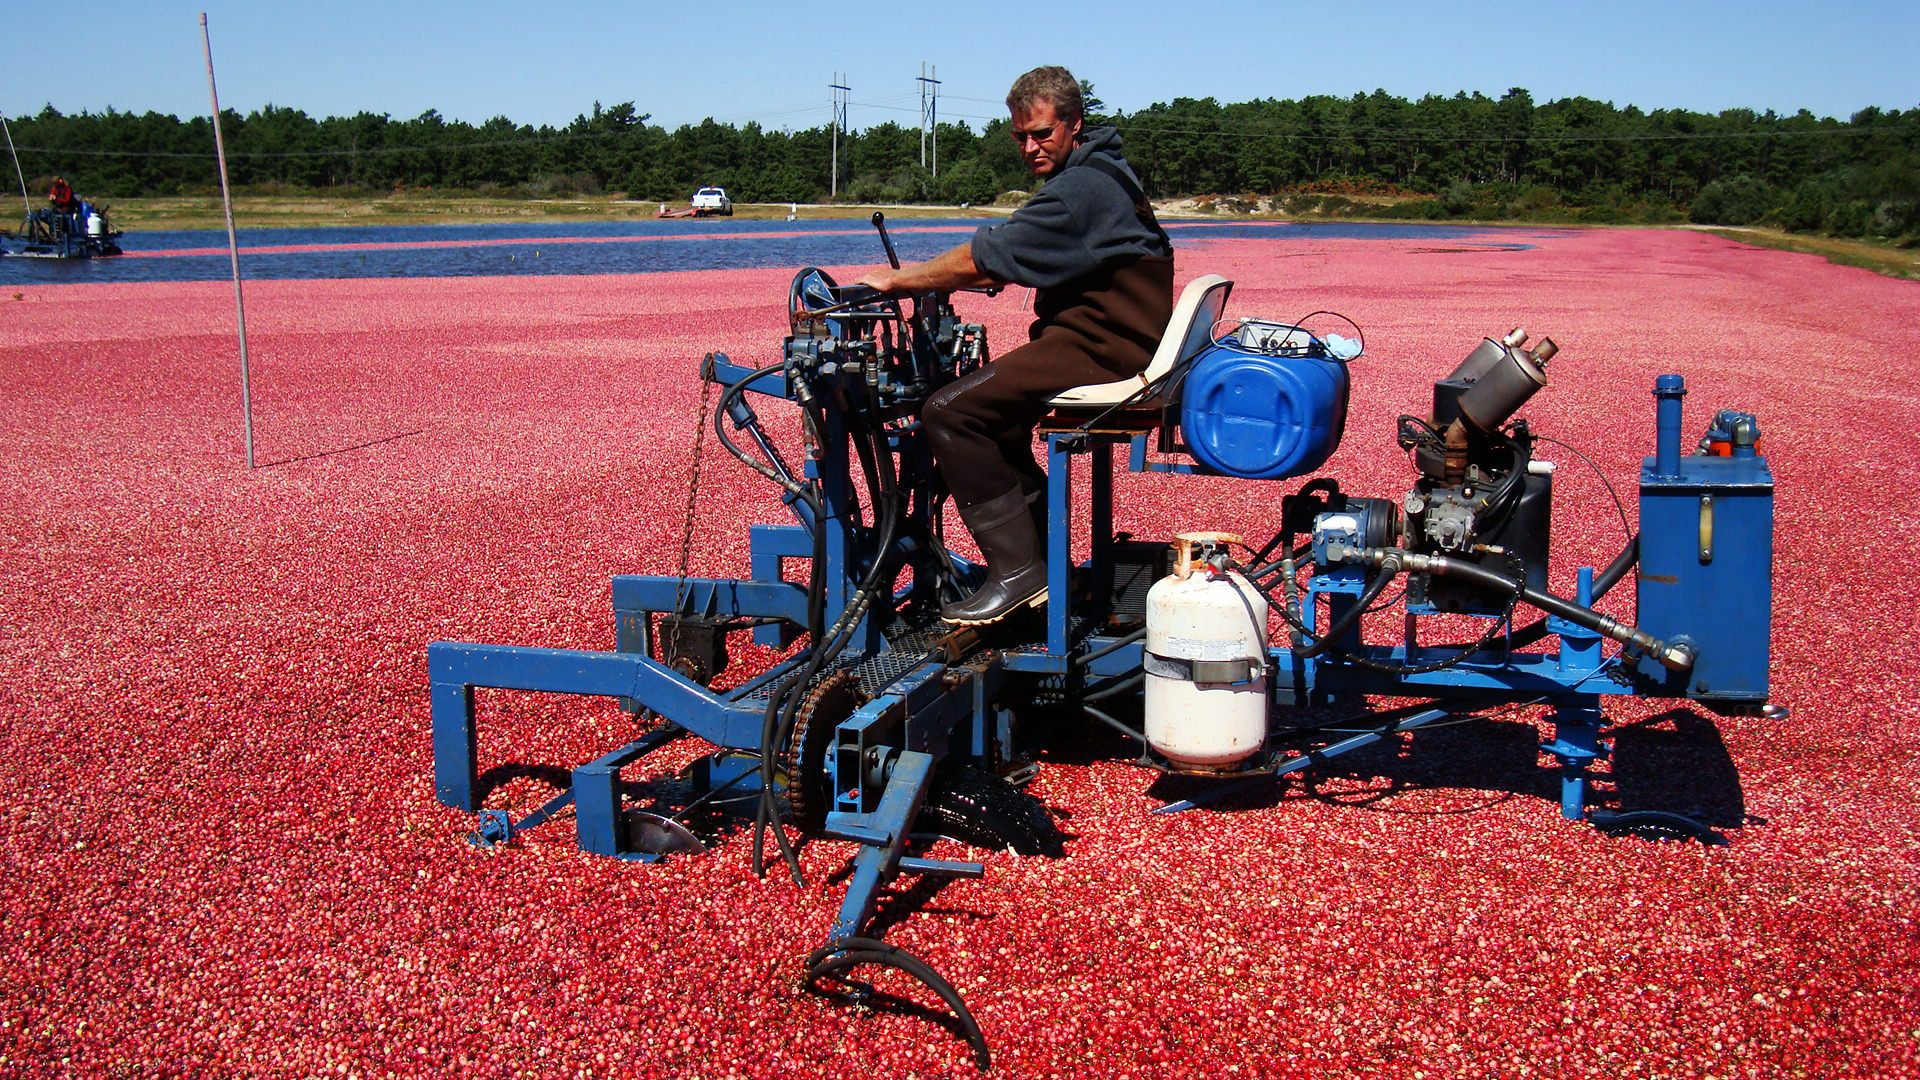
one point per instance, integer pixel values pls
(629, 247)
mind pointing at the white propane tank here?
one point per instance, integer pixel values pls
(96, 227)
(1206, 661)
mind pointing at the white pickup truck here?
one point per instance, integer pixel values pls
(712, 200)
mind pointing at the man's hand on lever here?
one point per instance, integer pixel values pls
(945, 272)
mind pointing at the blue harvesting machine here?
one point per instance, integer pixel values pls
(887, 729)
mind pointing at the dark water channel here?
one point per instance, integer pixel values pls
(628, 247)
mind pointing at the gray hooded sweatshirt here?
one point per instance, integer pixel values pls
(1080, 220)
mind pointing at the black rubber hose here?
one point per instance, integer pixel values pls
(1109, 648)
(1298, 553)
(764, 811)
(784, 705)
(1131, 682)
(1114, 724)
(1300, 633)
(864, 450)
(733, 390)
(1324, 641)
(1578, 614)
(817, 587)
(1618, 568)
(1602, 585)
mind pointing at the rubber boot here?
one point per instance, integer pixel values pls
(1016, 567)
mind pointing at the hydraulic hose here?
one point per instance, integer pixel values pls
(1116, 725)
(817, 588)
(734, 390)
(783, 705)
(1677, 655)
(1294, 555)
(1618, 568)
(864, 450)
(1112, 690)
(1324, 641)
(1602, 585)
(1289, 606)
(1110, 647)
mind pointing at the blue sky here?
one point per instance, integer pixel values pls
(738, 60)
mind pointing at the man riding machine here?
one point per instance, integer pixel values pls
(1102, 270)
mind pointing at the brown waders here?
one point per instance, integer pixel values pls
(1097, 328)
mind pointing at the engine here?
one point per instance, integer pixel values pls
(1480, 495)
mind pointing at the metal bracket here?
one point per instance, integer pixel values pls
(495, 829)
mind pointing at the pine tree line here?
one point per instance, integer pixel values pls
(1437, 157)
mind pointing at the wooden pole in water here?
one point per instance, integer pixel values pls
(233, 244)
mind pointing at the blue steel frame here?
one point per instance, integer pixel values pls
(883, 757)
(1569, 681)
(886, 753)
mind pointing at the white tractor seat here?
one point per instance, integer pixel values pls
(1189, 331)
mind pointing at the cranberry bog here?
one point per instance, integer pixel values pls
(217, 818)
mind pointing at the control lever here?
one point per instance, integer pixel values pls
(893, 257)
(880, 223)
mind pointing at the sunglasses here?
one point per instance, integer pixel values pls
(1038, 136)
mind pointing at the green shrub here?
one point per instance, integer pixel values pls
(868, 188)
(1851, 218)
(1808, 209)
(1538, 197)
(1734, 200)
(562, 184)
(970, 182)
(1894, 217)
(1458, 200)
(1411, 210)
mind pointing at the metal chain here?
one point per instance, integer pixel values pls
(669, 648)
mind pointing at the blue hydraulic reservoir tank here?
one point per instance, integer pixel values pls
(1706, 557)
(1260, 416)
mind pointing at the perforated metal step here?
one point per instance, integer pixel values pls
(908, 647)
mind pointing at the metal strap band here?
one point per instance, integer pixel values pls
(1237, 672)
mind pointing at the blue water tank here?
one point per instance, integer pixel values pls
(1263, 417)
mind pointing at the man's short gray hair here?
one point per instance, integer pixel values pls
(1052, 84)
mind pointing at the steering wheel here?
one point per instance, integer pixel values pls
(813, 301)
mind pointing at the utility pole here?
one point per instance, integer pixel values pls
(929, 115)
(840, 92)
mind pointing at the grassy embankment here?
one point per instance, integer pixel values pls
(1877, 256)
(302, 211)
(310, 211)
